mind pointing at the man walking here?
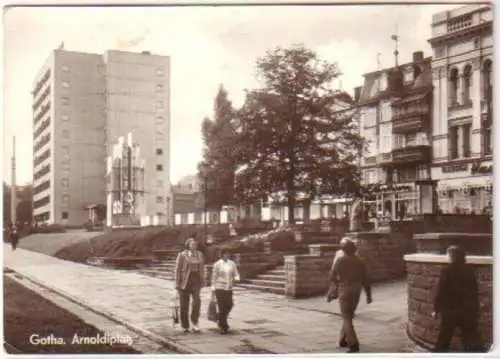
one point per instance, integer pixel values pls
(457, 302)
(350, 275)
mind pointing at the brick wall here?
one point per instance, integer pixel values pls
(307, 275)
(472, 243)
(423, 273)
(383, 253)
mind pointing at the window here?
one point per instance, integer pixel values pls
(159, 120)
(159, 88)
(64, 215)
(160, 72)
(487, 123)
(466, 135)
(65, 101)
(399, 141)
(65, 182)
(159, 105)
(159, 168)
(160, 214)
(65, 134)
(159, 184)
(159, 199)
(65, 68)
(422, 172)
(159, 151)
(65, 198)
(383, 82)
(453, 142)
(453, 87)
(467, 81)
(65, 118)
(411, 140)
(65, 85)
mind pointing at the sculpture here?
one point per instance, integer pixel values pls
(355, 220)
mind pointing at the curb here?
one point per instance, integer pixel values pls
(166, 342)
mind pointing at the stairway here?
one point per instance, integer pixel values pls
(272, 281)
(163, 269)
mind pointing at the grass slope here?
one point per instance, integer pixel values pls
(26, 313)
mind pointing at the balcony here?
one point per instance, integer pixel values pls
(411, 122)
(385, 158)
(412, 154)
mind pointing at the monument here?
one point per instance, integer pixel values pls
(125, 185)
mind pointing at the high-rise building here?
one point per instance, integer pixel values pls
(68, 137)
(462, 42)
(82, 104)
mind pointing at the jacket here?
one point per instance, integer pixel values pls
(457, 291)
(182, 269)
(224, 274)
(351, 272)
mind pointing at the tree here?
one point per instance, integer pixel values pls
(24, 210)
(216, 170)
(296, 140)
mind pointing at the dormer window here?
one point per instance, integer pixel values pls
(383, 82)
(409, 75)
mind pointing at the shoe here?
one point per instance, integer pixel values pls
(343, 343)
(185, 331)
(196, 329)
(354, 349)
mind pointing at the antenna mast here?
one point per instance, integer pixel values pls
(395, 38)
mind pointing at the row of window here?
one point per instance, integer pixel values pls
(42, 82)
(42, 98)
(460, 141)
(41, 202)
(42, 172)
(464, 82)
(42, 112)
(41, 187)
(43, 141)
(42, 128)
(41, 158)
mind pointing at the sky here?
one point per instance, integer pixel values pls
(208, 46)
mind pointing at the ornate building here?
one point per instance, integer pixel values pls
(462, 42)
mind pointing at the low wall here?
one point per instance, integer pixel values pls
(471, 243)
(383, 253)
(446, 223)
(423, 272)
(306, 275)
(253, 264)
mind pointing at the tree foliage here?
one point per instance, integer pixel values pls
(297, 140)
(216, 170)
(24, 198)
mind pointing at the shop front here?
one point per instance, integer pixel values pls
(465, 188)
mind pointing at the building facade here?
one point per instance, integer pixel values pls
(82, 104)
(395, 108)
(68, 137)
(462, 138)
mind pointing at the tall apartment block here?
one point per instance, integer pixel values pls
(83, 103)
(462, 42)
(68, 137)
(395, 117)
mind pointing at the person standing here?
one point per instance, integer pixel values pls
(457, 303)
(349, 274)
(14, 236)
(189, 279)
(224, 274)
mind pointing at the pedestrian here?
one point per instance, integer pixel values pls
(350, 276)
(14, 237)
(457, 303)
(189, 279)
(224, 274)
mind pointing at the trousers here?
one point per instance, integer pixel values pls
(348, 300)
(191, 291)
(225, 304)
(468, 328)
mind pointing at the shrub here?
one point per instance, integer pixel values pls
(282, 240)
(51, 228)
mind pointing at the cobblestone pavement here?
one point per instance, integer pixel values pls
(260, 322)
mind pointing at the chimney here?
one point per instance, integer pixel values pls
(357, 93)
(418, 56)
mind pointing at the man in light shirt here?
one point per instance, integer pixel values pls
(224, 274)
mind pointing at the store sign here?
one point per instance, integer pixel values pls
(454, 168)
(480, 168)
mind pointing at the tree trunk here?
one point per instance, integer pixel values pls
(306, 211)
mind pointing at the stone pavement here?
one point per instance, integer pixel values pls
(261, 322)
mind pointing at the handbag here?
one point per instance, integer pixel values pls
(174, 310)
(212, 314)
(332, 293)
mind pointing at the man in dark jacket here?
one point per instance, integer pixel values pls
(350, 275)
(457, 302)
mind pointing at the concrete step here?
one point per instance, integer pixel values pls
(261, 288)
(277, 271)
(267, 283)
(273, 277)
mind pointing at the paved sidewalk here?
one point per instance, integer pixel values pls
(261, 322)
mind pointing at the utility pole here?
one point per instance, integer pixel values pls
(13, 192)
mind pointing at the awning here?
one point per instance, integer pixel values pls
(408, 99)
